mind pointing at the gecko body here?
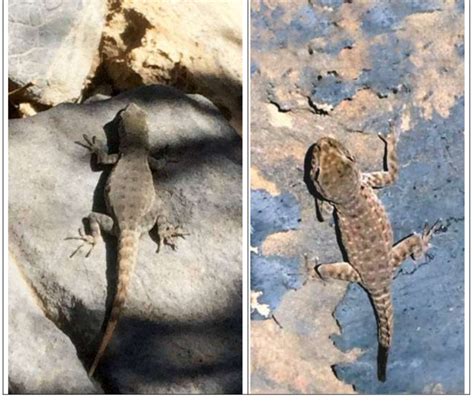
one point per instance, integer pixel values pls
(132, 205)
(365, 229)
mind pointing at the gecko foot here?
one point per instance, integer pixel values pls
(93, 144)
(168, 234)
(86, 239)
(426, 237)
(395, 126)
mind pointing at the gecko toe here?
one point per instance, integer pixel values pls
(86, 240)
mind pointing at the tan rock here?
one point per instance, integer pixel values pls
(192, 45)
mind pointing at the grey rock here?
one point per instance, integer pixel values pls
(53, 43)
(181, 327)
(41, 358)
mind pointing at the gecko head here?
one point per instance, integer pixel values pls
(334, 171)
(133, 128)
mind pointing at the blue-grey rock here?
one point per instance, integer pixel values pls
(362, 65)
(428, 344)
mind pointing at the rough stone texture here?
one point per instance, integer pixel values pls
(192, 45)
(116, 46)
(181, 328)
(283, 356)
(344, 69)
(47, 38)
(41, 358)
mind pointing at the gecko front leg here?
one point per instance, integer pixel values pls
(381, 179)
(97, 147)
(324, 209)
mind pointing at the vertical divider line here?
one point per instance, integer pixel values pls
(245, 198)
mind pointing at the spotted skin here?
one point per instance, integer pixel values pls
(132, 206)
(365, 228)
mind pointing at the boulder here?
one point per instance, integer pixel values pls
(180, 331)
(41, 358)
(53, 44)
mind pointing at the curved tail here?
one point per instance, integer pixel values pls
(383, 308)
(126, 260)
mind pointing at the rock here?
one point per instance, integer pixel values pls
(344, 69)
(181, 328)
(189, 45)
(428, 297)
(41, 359)
(53, 44)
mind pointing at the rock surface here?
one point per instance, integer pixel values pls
(116, 46)
(41, 359)
(181, 328)
(344, 69)
(46, 38)
(193, 45)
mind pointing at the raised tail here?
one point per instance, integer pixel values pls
(383, 308)
(126, 260)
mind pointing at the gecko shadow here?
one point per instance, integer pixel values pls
(316, 195)
(166, 354)
(170, 353)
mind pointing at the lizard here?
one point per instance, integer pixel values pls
(365, 229)
(132, 205)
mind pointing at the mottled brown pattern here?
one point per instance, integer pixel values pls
(132, 204)
(365, 228)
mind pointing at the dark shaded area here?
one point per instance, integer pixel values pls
(173, 360)
(162, 351)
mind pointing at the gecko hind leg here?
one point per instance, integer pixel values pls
(415, 245)
(168, 233)
(340, 271)
(97, 222)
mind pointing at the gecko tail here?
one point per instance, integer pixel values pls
(383, 307)
(109, 331)
(126, 260)
(382, 363)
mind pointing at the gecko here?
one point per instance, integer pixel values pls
(365, 229)
(132, 205)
